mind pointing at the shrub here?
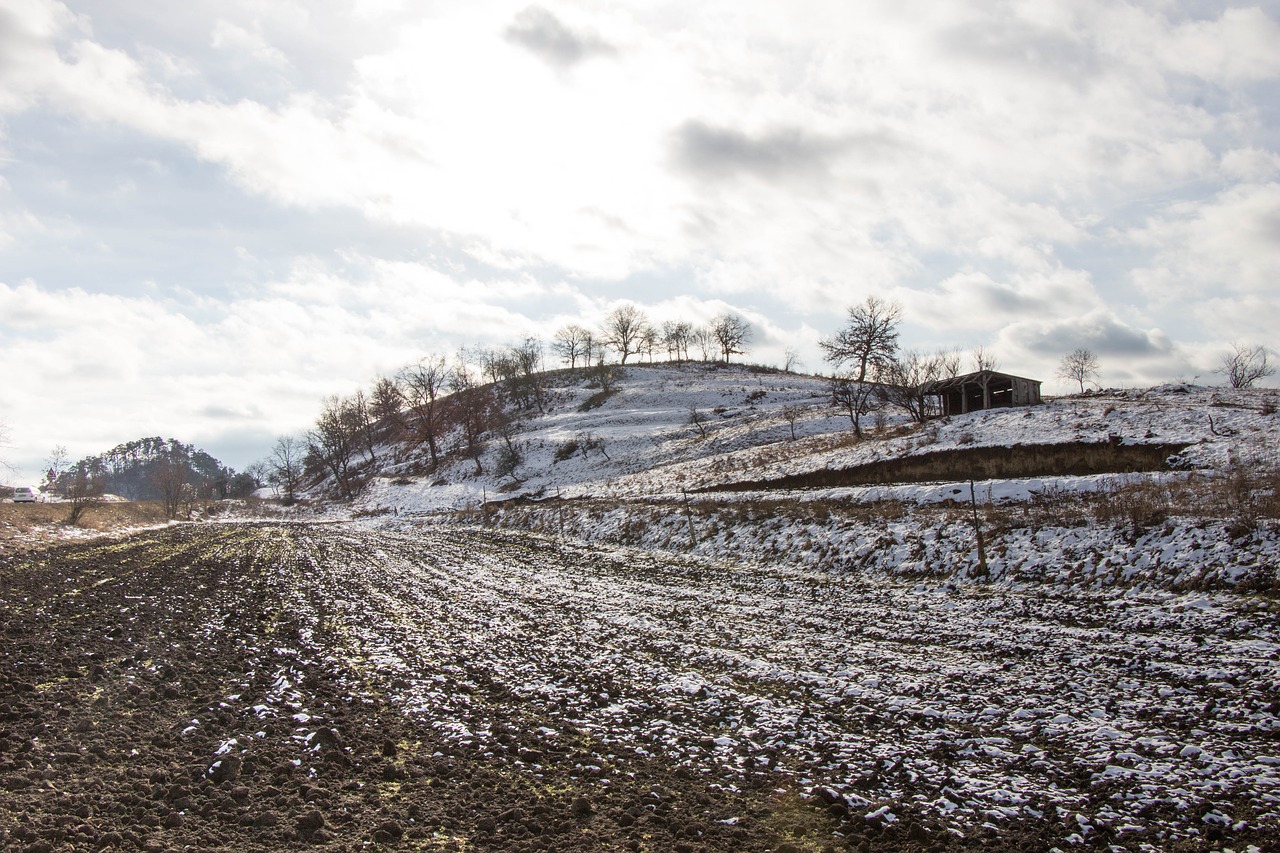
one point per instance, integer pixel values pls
(566, 450)
(597, 400)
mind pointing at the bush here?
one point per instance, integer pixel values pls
(597, 400)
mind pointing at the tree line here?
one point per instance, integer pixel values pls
(152, 468)
(450, 405)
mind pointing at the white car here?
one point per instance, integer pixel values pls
(24, 495)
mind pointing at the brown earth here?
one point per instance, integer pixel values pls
(979, 463)
(197, 686)
(123, 719)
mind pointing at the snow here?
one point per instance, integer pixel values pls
(979, 705)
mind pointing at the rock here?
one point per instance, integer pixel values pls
(387, 831)
(581, 807)
(225, 769)
(330, 738)
(486, 824)
(309, 823)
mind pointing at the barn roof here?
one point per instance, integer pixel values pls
(980, 377)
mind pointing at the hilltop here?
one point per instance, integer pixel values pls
(753, 463)
(774, 429)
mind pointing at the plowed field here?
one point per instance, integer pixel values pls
(264, 686)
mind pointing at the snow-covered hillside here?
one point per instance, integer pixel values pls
(631, 467)
(642, 440)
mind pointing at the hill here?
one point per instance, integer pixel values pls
(770, 430)
(150, 468)
(750, 463)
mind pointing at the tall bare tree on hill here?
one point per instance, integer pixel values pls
(333, 440)
(1079, 365)
(286, 464)
(867, 343)
(573, 344)
(676, 335)
(169, 477)
(425, 382)
(473, 408)
(361, 413)
(731, 334)
(1245, 365)
(624, 329)
(527, 381)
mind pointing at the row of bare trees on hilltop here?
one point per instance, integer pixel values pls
(446, 406)
(450, 407)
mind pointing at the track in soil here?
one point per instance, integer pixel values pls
(269, 686)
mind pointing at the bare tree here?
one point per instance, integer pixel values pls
(528, 384)
(258, 473)
(676, 335)
(649, 340)
(624, 328)
(333, 440)
(55, 465)
(169, 475)
(1078, 365)
(286, 464)
(984, 359)
(868, 343)
(731, 334)
(906, 377)
(473, 408)
(425, 382)
(572, 343)
(704, 341)
(792, 415)
(1245, 365)
(948, 363)
(698, 419)
(791, 360)
(4, 442)
(510, 455)
(84, 490)
(363, 421)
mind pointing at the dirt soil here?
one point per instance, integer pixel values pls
(127, 720)
(307, 686)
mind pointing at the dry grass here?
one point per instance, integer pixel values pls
(24, 527)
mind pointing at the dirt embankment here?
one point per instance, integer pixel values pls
(979, 463)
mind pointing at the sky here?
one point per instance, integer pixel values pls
(214, 214)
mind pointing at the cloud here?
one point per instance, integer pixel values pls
(1217, 259)
(1127, 355)
(231, 37)
(547, 37)
(710, 152)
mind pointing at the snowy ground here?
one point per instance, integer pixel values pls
(647, 445)
(1137, 719)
